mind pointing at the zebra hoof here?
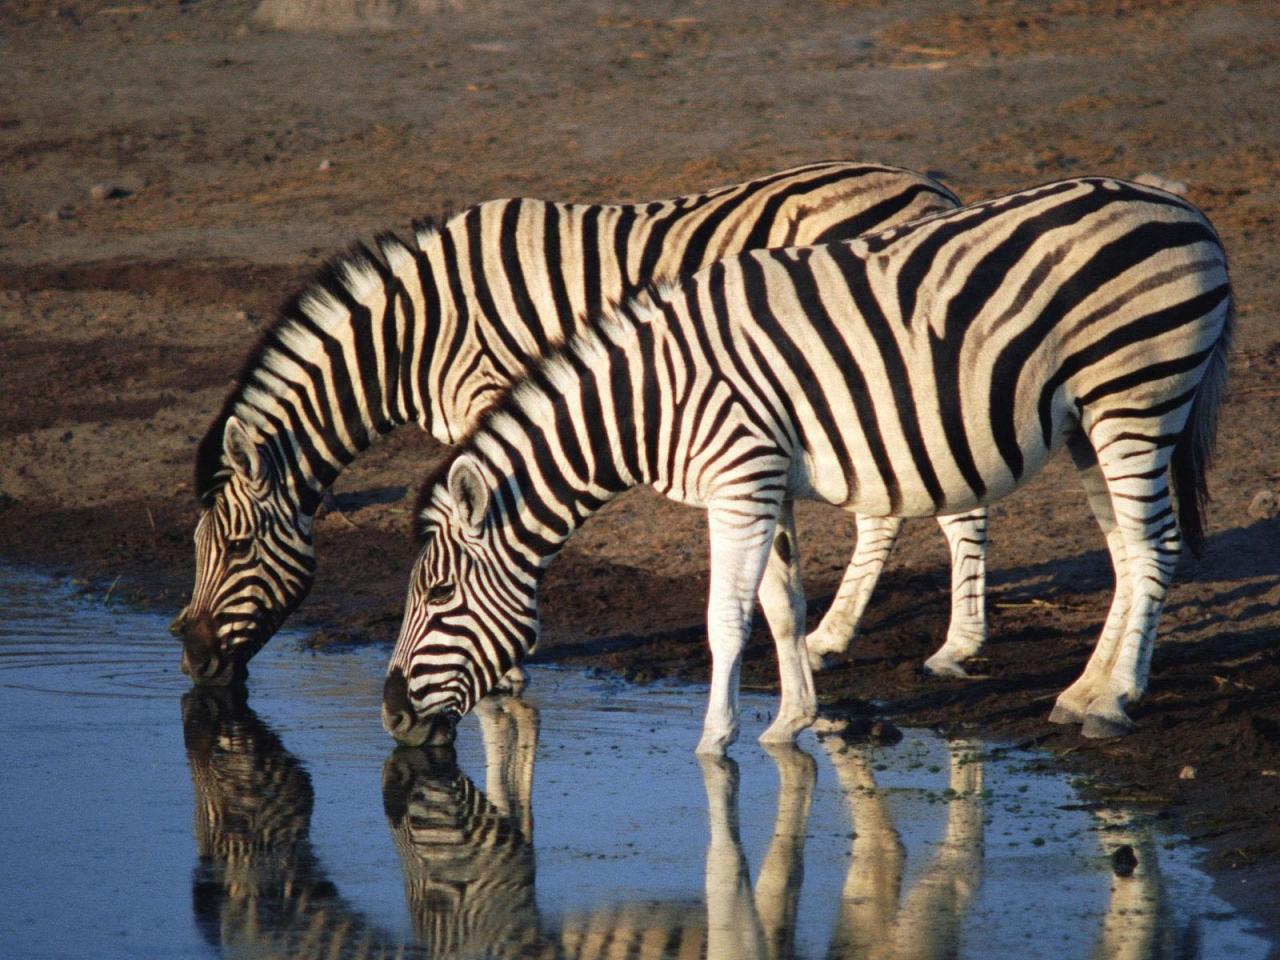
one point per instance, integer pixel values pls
(818, 662)
(945, 669)
(822, 656)
(1064, 715)
(783, 731)
(1106, 728)
(714, 744)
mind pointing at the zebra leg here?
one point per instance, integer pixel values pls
(513, 681)
(1073, 702)
(526, 748)
(782, 599)
(876, 537)
(967, 540)
(932, 915)
(740, 549)
(1139, 484)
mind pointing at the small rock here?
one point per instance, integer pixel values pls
(1187, 773)
(1162, 183)
(1263, 506)
(325, 165)
(103, 191)
(243, 30)
(60, 213)
(1123, 861)
(885, 733)
(876, 732)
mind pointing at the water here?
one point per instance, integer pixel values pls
(142, 819)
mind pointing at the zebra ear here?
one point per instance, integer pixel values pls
(469, 493)
(241, 452)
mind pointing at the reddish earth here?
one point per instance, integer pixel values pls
(124, 317)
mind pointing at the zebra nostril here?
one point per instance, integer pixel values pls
(201, 660)
(395, 693)
(397, 711)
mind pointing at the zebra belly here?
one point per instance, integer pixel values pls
(899, 488)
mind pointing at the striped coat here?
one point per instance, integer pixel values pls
(432, 331)
(927, 369)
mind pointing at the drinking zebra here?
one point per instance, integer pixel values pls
(930, 368)
(431, 331)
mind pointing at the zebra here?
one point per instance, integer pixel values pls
(930, 368)
(430, 331)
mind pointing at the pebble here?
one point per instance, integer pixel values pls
(1187, 773)
(325, 165)
(107, 191)
(1123, 861)
(877, 732)
(1162, 183)
(1263, 506)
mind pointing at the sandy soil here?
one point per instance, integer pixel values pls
(229, 156)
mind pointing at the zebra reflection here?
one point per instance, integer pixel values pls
(467, 856)
(468, 861)
(875, 920)
(258, 889)
(1140, 923)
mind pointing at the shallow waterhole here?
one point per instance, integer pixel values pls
(143, 819)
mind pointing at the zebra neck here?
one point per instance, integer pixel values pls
(338, 370)
(573, 436)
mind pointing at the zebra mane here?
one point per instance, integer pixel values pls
(587, 343)
(337, 282)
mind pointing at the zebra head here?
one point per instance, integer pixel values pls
(255, 561)
(471, 613)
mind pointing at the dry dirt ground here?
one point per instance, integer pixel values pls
(232, 151)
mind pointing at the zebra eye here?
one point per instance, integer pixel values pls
(239, 546)
(440, 593)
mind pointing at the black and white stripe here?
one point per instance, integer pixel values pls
(258, 887)
(432, 330)
(927, 369)
(467, 855)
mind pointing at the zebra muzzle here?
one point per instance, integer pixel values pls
(399, 720)
(202, 658)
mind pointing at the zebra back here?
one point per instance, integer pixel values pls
(926, 369)
(431, 330)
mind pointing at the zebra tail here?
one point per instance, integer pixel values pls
(1194, 450)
